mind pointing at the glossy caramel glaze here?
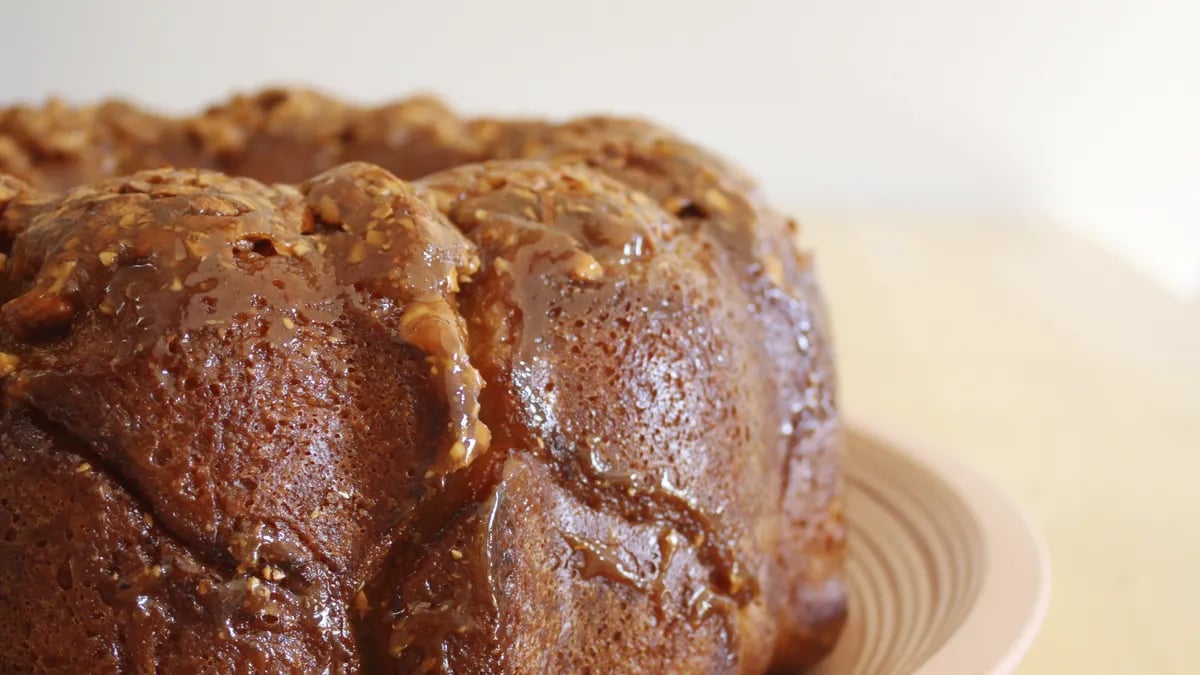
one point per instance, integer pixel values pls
(465, 396)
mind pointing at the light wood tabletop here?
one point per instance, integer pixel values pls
(1070, 380)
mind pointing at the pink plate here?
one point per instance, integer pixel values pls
(947, 577)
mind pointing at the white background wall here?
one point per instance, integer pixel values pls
(1077, 112)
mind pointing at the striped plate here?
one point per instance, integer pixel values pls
(946, 576)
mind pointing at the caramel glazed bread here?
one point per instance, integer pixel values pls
(386, 390)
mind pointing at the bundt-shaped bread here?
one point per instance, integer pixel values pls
(461, 396)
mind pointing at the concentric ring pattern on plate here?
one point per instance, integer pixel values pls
(922, 570)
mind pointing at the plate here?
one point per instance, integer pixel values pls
(946, 575)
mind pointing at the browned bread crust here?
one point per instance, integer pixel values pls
(385, 390)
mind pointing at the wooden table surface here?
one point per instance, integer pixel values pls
(1069, 379)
